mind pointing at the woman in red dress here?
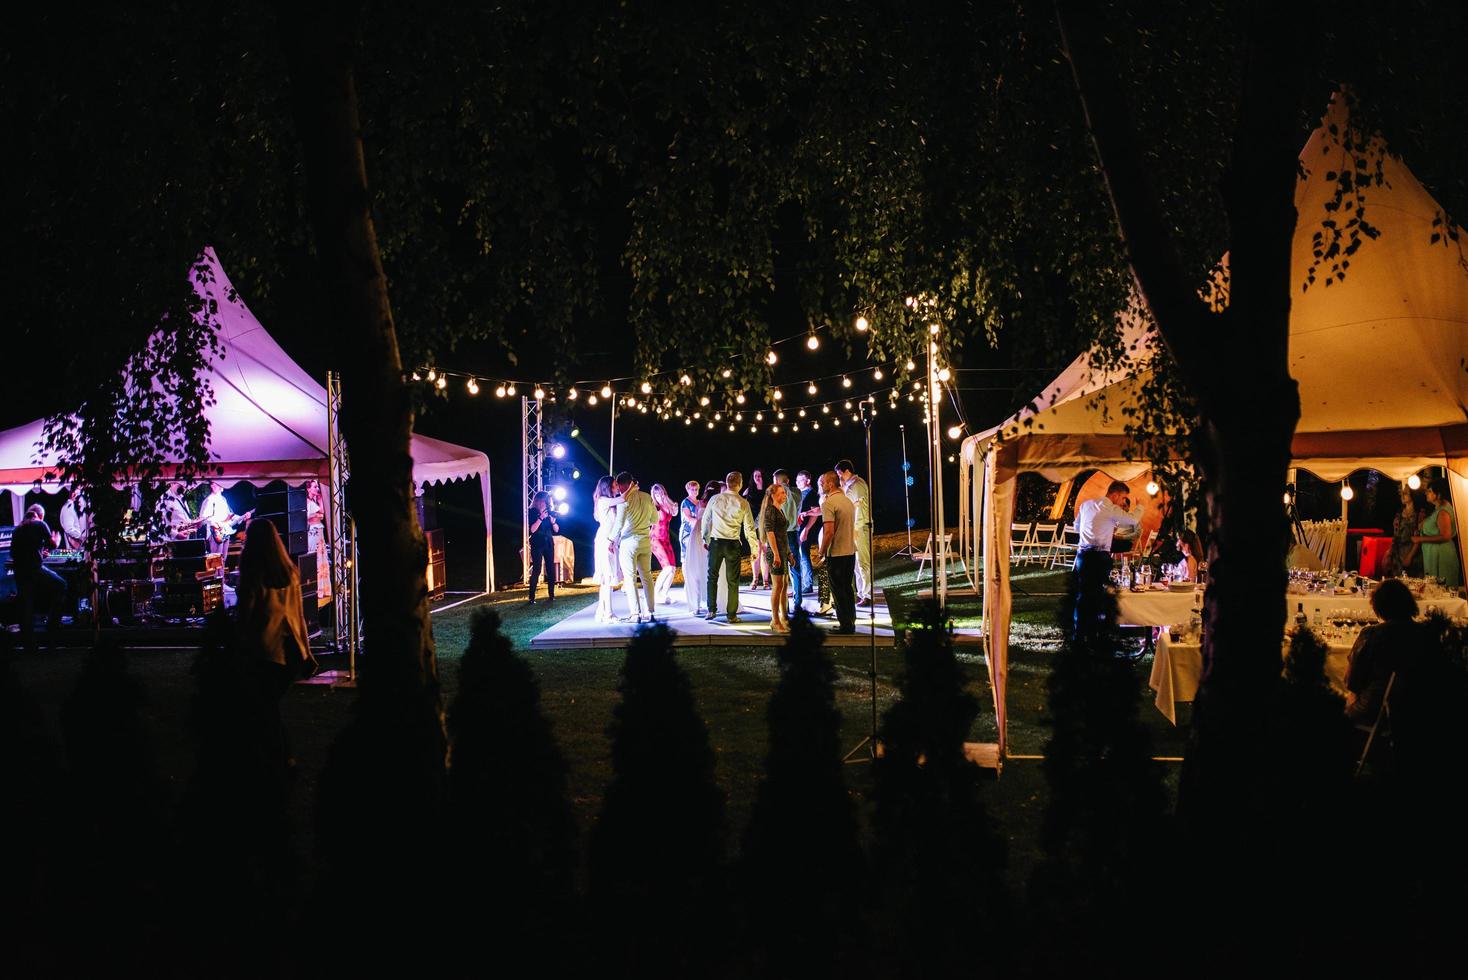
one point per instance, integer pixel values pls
(662, 543)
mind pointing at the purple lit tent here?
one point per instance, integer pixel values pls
(269, 421)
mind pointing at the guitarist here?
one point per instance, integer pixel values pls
(221, 522)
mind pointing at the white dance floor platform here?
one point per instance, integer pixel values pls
(753, 629)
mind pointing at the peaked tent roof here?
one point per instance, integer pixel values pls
(1379, 356)
(269, 420)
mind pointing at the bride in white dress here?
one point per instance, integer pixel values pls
(606, 509)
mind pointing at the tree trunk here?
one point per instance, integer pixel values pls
(1236, 365)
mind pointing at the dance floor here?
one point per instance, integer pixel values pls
(753, 629)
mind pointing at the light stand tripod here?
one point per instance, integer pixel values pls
(870, 740)
(906, 497)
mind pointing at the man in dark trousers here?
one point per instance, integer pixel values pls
(543, 530)
(35, 584)
(838, 550)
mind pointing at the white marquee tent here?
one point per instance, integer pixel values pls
(1379, 357)
(269, 421)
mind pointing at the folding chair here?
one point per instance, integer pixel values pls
(1042, 543)
(927, 555)
(1021, 539)
(1067, 543)
(1381, 725)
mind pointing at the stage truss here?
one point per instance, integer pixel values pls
(532, 471)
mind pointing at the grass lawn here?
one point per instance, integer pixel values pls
(732, 684)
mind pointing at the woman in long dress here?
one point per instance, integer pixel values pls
(662, 542)
(775, 544)
(605, 504)
(1403, 553)
(690, 549)
(1438, 538)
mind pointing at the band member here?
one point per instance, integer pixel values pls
(219, 519)
(174, 514)
(75, 520)
(316, 539)
(543, 529)
(35, 584)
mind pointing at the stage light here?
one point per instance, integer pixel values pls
(1414, 482)
(811, 388)
(510, 390)
(726, 373)
(704, 400)
(539, 393)
(862, 325)
(573, 394)
(813, 342)
(575, 474)
(646, 388)
(877, 374)
(606, 391)
(473, 386)
(909, 365)
(559, 493)
(432, 375)
(558, 451)
(591, 399)
(499, 392)
(778, 394)
(1152, 488)
(954, 431)
(564, 509)
(845, 381)
(685, 381)
(771, 357)
(575, 432)
(944, 374)
(1347, 493)
(443, 382)
(739, 398)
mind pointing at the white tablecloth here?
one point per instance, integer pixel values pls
(1178, 666)
(1172, 608)
(1155, 608)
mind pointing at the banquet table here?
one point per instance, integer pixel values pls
(1172, 608)
(1178, 665)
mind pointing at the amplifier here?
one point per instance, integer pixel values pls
(292, 522)
(191, 569)
(306, 565)
(295, 543)
(285, 501)
(191, 599)
(190, 548)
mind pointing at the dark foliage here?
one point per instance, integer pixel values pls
(656, 886)
(937, 860)
(1105, 829)
(511, 827)
(802, 864)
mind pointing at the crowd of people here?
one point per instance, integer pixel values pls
(808, 537)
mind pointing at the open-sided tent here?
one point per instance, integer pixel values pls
(1379, 357)
(269, 420)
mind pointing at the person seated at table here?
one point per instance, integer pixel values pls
(1437, 540)
(1381, 650)
(1185, 569)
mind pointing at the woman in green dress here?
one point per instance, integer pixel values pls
(1439, 531)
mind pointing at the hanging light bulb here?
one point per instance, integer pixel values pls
(727, 372)
(775, 429)
(697, 414)
(685, 381)
(432, 375)
(933, 329)
(954, 431)
(801, 413)
(499, 392)
(1152, 488)
(416, 376)
(753, 429)
(794, 426)
(845, 381)
(877, 374)
(771, 357)
(759, 416)
(944, 374)
(951, 458)
(678, 411)
(847, 406)
(443, 381)
(704, 401)
(606, 391)
(825, 409)
(739, 398)
(856, 418)
(811, 388)
(1414, 482)
(539, 392)
(710, 425)
(813, 342)
(575, 432)
(510, 389)
(909, 365)
(862, 325)
(1287, 498)
(835, 421)
(573, 394)
(816, 424)
(688, 420)
(646, 388)
(781, 415)
(778, 394)
(1347, 493)
(473, 386)
(718, 416)
(591, 399)
(731, 426)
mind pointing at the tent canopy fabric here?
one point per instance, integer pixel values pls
(1379, 357)
(269, 420)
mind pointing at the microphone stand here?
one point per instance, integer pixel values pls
(870, 740)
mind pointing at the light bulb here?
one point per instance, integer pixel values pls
(847, 406)
(1346, 492)
(1152, 488)
(443, 381)
(835, 421)
(727, 372)
(813, 342)
(564, 509)
(774, 428)
(771, 357)
(678, 412)
(591, 399)
(754, 428)
(575, 432)
(794, 426)
(909, 365)
(738, 416)
(646, 388)
(954, 431)
(1414, 482)
(499, 392)
(573, 394)
(575, 474)
(416, 376)
(845, 381)
(862, 324)
(473, 386)
(718, 416)
(933, 328)
(816, 424)
(877, 374)
(811, 388)
(606, 391)
(731, 426)
(825, 409)
(759, 416)
(1287, 498)
(432, 375)
(696, 414)
(951, 458)
(704, 401)
(688, 420)
(856, 418)
(685, 380)
(539, 392)
(944, 374)
(559, 493)
(711, 425)
(739, 398)
(781, 415)
(510, 390)
(801, 413)
(778, 394)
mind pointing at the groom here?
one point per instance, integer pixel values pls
(726, 514)
(631, 539)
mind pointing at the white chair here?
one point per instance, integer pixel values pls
(1021, 539)
(1043, 543)
(927, 555)
(1067, 543)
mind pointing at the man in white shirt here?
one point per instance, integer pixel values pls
(75, 521)
(632, 537)
(217, 517)
(725, 516)
(861, 496)
(1097, 521)
(838, 546)
(174, 513)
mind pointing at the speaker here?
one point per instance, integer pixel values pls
(285, 501)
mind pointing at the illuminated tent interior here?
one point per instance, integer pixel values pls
(269, 420)
(1379, 358)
